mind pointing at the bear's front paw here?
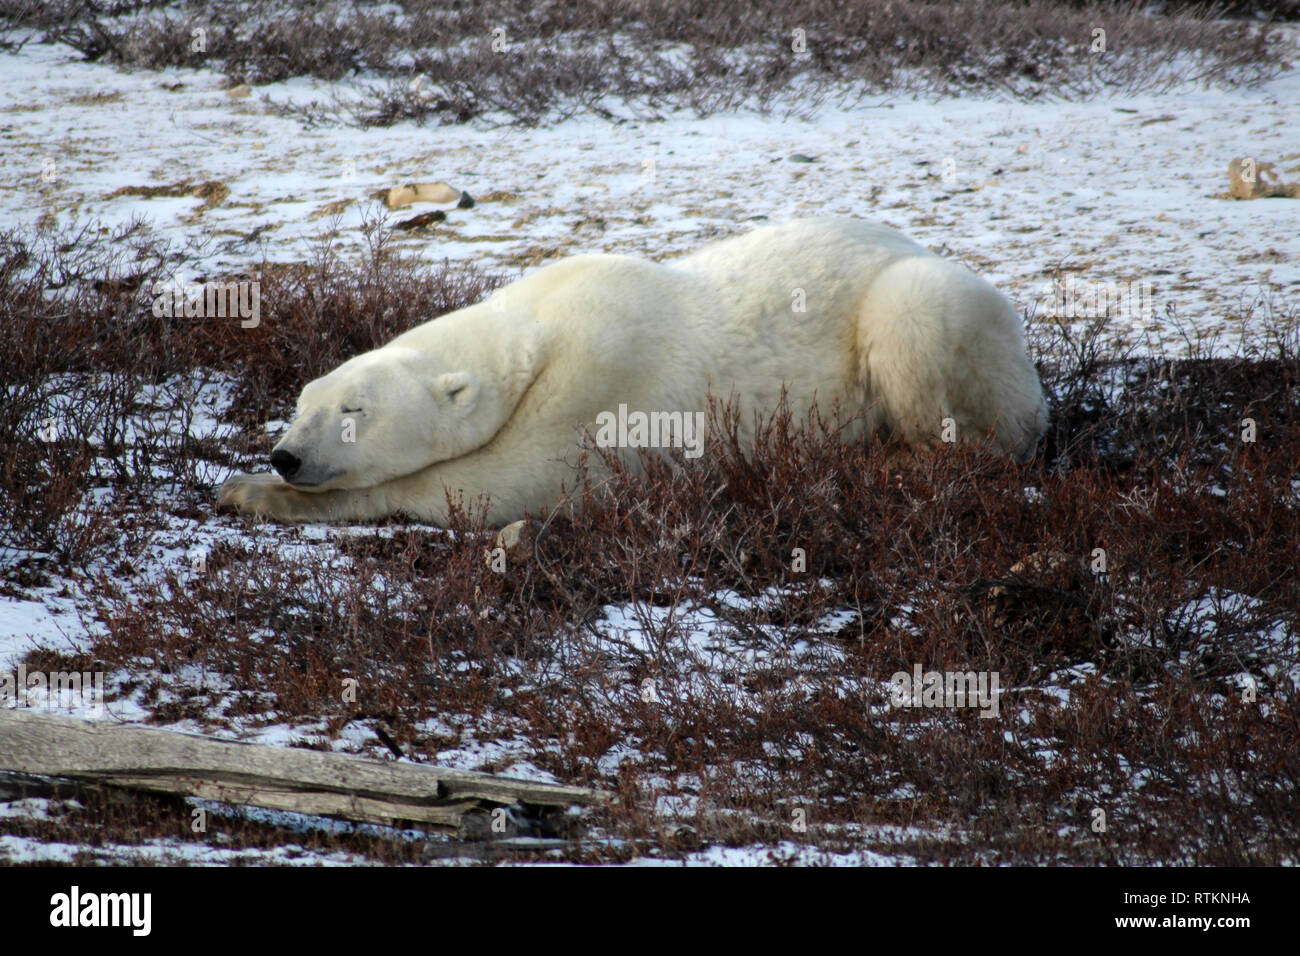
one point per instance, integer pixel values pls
(264, 495)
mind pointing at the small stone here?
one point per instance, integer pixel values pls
(1251, 178)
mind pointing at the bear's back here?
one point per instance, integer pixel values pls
(792, 289)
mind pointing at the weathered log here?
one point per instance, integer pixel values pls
(278, 778)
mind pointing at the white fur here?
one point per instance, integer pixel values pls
(490, 400)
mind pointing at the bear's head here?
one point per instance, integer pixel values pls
(382, 415)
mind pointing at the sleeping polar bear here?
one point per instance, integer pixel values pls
(492, 400)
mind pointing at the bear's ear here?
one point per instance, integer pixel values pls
(456, 390)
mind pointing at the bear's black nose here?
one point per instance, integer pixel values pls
(286, 464)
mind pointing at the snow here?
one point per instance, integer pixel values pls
(25, 625)
(785, 853)
(15, 850)
(1117, 191)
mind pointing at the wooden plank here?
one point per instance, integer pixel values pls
(279, 778)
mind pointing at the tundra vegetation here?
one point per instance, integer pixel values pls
(712, 640)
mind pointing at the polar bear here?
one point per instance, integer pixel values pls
(489, 404)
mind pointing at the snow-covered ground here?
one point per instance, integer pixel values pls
(1124, 190)
(1110, 191)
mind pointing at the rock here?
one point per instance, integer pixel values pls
(422, 221)
(512, 547)
(400, 196)
(1251, 178)
(516, 536)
